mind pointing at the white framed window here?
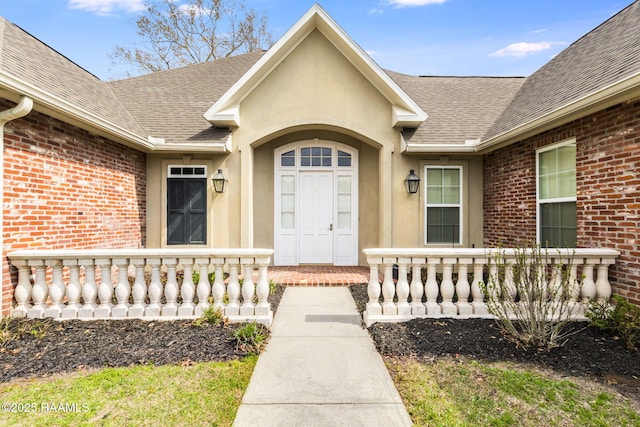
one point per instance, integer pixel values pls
(556, 195)
(443, 204)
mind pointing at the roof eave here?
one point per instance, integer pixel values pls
(225, 111)
(622, 90)
(79, 116)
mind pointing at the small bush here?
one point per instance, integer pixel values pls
(211, 316)
(251, 338)
(530, 296)
(623, 319)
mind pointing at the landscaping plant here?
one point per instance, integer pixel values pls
(532, 295)
(622, 318)
(251, 337)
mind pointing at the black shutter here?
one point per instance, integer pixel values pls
(186, 211)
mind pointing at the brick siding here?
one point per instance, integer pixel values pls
(608, 189)
(67, 188)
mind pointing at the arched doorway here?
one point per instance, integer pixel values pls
(316, 203)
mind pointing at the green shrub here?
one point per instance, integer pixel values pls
(251, 337)
(534, 307)
(211, 316)
(623, 319)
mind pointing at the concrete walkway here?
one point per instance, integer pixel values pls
(320, 368)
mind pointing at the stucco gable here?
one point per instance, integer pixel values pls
(405, 111)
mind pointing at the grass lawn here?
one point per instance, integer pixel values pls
(194, 395)
(469, 393)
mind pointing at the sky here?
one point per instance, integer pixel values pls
(417, 37)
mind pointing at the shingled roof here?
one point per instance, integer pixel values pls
(170, 104)
(605, 56)
(43, 70)
(460, 108)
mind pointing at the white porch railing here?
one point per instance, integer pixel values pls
(396, 300)
(94, 284)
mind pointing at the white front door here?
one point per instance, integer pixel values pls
(316, 217)
(315, 204)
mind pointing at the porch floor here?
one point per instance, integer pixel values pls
(318, 275)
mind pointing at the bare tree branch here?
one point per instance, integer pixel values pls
(177, 33)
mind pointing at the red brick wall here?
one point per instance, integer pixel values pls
(608, 189)
(67, 188)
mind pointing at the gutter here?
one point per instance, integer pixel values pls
(612, 94)
(55, 103)
(24, 107)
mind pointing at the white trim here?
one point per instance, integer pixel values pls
(460, 205)
(182, 175)
(225, 111)
(539, 201)
(296, 171)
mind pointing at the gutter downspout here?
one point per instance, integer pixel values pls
(24, 107)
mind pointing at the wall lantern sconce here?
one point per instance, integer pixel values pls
(412, 182)
(219, 181)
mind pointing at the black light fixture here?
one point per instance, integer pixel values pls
(219, 181)
(412, 182)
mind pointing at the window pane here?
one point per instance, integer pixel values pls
(443, 225)
(567, 158)
(287, 220)
(566, 184)
(305, 161)
(434, 195)
(315, 151)
(558, 224)
(287, 161)
(287, 184)
(451, 177)
(288, 202)
(344, 203)
(451, 196)
(326, 161)
(326, 152)
(344, 184)
(434, 177)
(344, 220)
(305, 152)
(344, 159)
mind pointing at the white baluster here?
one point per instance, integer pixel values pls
(123, 289)
(170, 308)
(248, 288)
(218, 288)
(493, 286)
(74, 291)
(373, 288)
(22, 294)
(603, 287)
(447, 289)
(588, 285)
(139, 290)
(431, 288)
(574, 308)
(39, 291)
(477, 292)
(233, 288)
(187, 290)
(204, 287)
(263, 308)
(389, 308)
(155, 289)
(56, 290)
(417, 288)
(463, 289)
(402, 287)
(105, 289)
(89, 289)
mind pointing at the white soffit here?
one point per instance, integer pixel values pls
(226, 111)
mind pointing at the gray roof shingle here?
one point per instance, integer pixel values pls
(28, 59)
(170, 104)
(459, 108)
(604, 56)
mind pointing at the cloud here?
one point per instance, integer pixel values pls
(103, 7)
(413, 3)
(376, 11)
(522, 49)
(371, 53)
(541, 30)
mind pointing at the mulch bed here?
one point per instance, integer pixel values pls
(76, 344)
(72, 345)
(589, 352)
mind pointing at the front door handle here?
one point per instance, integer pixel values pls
(330, 227)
